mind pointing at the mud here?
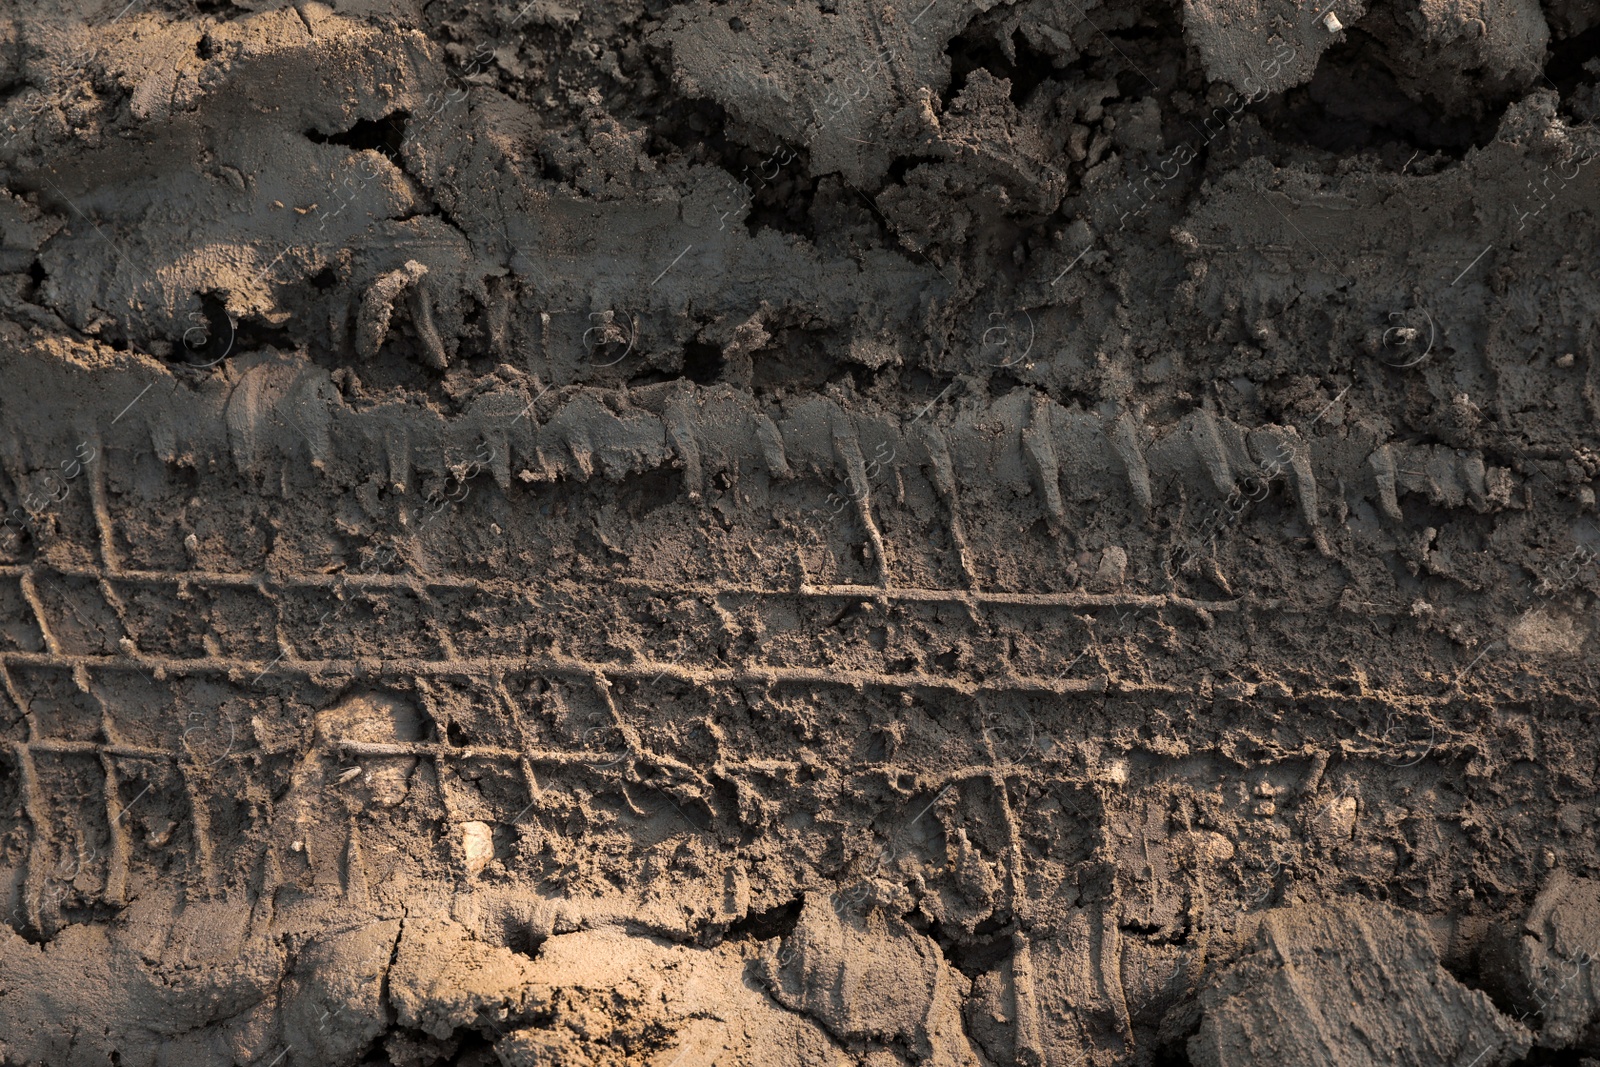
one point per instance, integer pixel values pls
(719, 533)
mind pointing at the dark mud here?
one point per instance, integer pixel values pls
(1044, 533)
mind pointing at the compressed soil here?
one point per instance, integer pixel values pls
(720, 533)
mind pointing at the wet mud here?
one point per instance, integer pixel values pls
(1048, 533)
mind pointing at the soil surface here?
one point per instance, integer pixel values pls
(1059, 532)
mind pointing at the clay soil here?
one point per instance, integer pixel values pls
(1054, 532)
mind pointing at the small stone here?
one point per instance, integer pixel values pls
(1566, 360)
(1331, 21)
(158, 836)
(477, 845)
(1201, 849)
(1265, 808)
(1113, 567)
(1336, 821)
(1115, 772)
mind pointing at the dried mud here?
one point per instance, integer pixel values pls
(1048, 533)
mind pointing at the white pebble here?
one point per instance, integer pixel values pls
(477, 845)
